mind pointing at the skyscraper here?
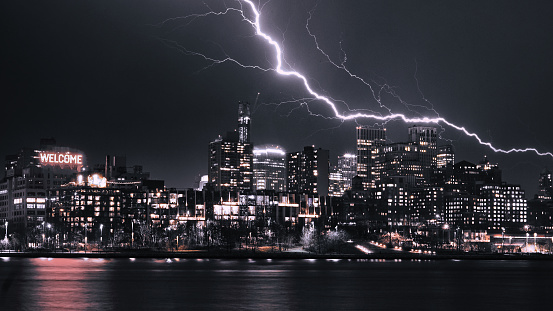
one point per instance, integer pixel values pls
(244, 122)
(230, 163)
(369, 154)
(308, 171)
(426, 138)
(445, 156)
(269, 168)
(342, 175)
(402, 160)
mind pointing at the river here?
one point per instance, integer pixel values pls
(215, 284)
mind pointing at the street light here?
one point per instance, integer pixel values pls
(49, 226)
(101, 236)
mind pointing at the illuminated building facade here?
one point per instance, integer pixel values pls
(78, 211)
(342, 174)
(503, 205)
(269, 168)
(426, 139)
(369, 154)
(427, 204)
(308, 171)
(230, 163)
(445, 156)
(394, 202)
(462, 210)
(402, 160)
(244, 120)
(94, 209)
(477, 198)
(28, 176)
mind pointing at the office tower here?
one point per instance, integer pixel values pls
(427, 204)
(502, 205)
(244, 122)
(393, 202)
(369, 154)
(402, 160)
(230, 163)
(269, 168)
(308, 171)
(445, 156)
(425, 138)
(342, 174)
(545, 184)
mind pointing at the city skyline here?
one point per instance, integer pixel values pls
(110, 84)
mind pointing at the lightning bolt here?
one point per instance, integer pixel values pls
(255, 22)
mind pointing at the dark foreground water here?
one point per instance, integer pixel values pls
(126, 284)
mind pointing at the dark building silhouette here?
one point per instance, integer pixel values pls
(545, 186)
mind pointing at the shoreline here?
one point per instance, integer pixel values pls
(280, 255)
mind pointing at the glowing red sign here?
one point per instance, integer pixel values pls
(53, 158)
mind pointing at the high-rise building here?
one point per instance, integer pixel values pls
(545, 190)
(402, 160)
(425, 137)
(244, 122)
(393, 202)
(269, 168)
(342, 174)
(369, 154)
(308, 171)
(230, 163)
(445, 156)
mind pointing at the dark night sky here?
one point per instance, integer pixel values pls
(97, 76)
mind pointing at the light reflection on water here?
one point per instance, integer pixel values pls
(93, 284)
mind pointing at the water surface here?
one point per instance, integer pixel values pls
(199, 284)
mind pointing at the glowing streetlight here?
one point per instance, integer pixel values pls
(101, 236)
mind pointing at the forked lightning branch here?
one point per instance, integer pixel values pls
(255, 22)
